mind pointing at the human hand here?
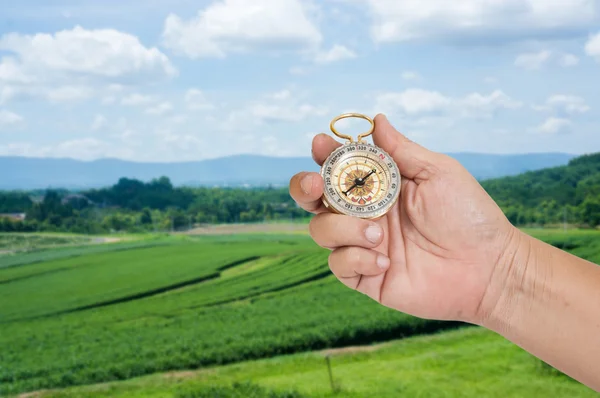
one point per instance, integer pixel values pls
(434, 254)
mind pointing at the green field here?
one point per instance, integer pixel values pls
(467, 363)
(91, 314)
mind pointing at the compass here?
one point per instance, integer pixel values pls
(361, 179)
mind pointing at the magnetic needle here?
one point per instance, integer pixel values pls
(361, 180)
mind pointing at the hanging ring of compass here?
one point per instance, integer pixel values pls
(361, 179)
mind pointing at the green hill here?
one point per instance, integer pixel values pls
(548, 196)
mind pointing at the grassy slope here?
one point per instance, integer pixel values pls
(169, 332)
(467, 363)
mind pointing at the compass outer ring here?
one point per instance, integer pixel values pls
(380, 212)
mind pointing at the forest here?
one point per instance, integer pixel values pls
(553, 196)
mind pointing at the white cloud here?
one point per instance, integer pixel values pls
(282, 106)
(410, 75)
(69, 93)
(565, 104)
(101, 52)
(129, 137)
(480, 21)
(413, 101)
(488, 103)
(83, 149)
(10, 72)
(419, 102)
(336, 53)
(234, 26)
(592, 47)
(299, 70)
(9, 119)
(280, 95)
(160, 109)
(99, 122)
(568, 60)
(536, 60)
(555, 125)
(285, 112)
(532, 61)
(196, 100)
(138, 99)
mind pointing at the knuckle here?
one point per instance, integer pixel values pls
(312, 226)
(316, 225)
(355, 257)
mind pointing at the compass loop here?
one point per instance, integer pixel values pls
(349, 115)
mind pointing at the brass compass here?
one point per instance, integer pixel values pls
(361, 180)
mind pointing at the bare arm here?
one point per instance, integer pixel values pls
(547, 301)
(446, 251)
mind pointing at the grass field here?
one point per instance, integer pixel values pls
(468, 363)
(92, 314)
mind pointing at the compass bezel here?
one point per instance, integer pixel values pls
(332, 196)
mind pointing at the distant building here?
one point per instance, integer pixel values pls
(14, 216)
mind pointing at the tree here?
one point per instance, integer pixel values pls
(590, 211)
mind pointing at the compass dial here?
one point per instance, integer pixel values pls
(361, 180)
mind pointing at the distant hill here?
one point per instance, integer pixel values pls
(40, 173)
(569, 184)
(566, 193)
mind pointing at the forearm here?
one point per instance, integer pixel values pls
(547, 301)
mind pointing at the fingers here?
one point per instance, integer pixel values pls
(322, 146)
(332, 231)
(349, 264)
(306, 189)
(414, 161)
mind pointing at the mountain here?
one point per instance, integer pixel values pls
(39, 173)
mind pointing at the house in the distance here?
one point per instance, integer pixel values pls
(13, 216)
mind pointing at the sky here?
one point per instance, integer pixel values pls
(182, 80)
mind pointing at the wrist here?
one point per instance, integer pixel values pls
(515, 280)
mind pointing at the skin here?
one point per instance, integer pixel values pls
(446, 251)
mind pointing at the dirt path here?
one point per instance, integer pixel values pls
(106, 240)
(189, 374)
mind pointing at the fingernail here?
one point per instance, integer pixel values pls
(306, 184)
(373, 233)
(383, 262)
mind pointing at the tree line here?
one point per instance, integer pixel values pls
(551, 196)
(136, 206)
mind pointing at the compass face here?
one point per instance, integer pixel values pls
(361, 180)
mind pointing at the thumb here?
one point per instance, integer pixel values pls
(414, 161)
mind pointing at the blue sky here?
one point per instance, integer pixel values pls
(188, 80)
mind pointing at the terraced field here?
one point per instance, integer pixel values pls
(93, 315)
(468, 363)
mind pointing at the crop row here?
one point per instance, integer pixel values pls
(67, 350)
(107, 277)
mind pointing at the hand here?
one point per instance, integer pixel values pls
(434, 254)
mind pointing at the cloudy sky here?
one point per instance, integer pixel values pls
(186, 80)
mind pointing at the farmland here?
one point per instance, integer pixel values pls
(100, 313)
(467, 363)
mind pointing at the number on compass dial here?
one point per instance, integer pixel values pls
(360, 181)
